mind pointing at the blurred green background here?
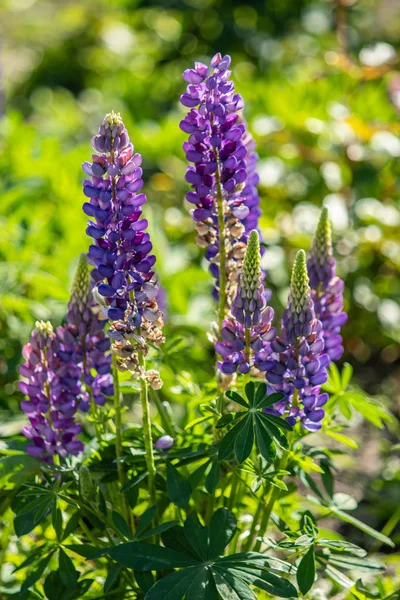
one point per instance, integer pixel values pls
(321, 85)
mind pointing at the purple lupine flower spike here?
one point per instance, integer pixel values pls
(297, 364)
(327, 288)
(223, 177)
(247, 330)
(82, 340)
(52, 386)
(122, 248)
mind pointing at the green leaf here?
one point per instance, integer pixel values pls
(145, 520)
(120, 523)
(339, 577)
(260, 394)
(69, 575)
(272, 430)
(134, 481)
(280, 423)
(263, 579)
(203, 587)
(347, 373)
(197, 536)
(84, 550)
(245, 439)
(222, 529)
(227, 443)
(156, 530)
(175, 539)
(351, 562)
(343, 439)
(264, 442)
(148, 557)
(334, 378)
(225, 420)
(145, 580)
(237, 398)
(178, 488)
(212, 478)
(306, 571)
(269, 400)
(230, 587)
(36, 573)
(342, 546)
(32, 515)
(250, 390)
(327, 478)
(173, 586)
(112, 577)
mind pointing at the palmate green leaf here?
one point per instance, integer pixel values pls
(306, 571)
(272, 430)
(141, 556)
(32, 515)
(227, 444)
(203, 587)
(155, 530)
(269, 400)
(69, 575)
(264, 442)
(342, 546)
(36, 573)
(145, 520)
(260, 395)
(250, 391)
(245, 439)
(235, 397)
(230, 587)
(264, 580)
(350, 562)
(222, 529)
(145, 580)
(112, 577)
(175, 585)
(198, 535)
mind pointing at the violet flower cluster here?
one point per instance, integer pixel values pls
(84, 342)
(52, 386)
(223, 178)
(247, 330)
(297, 364)
(121, 252)
(327, 288)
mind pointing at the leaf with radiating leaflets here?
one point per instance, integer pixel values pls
(306, 571)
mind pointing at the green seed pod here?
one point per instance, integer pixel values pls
(87, 487)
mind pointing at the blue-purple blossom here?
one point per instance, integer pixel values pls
(121, 252)
(297, 364)
(83, 340)
(223, 177)
(165, 442)
(52, 386)
(247, 330)
(327, 287)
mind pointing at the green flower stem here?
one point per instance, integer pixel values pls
(148, 440)
(222, 250)
(234, 488)
(273, 497)
(250, 539)
(118, 440)
(164, 416)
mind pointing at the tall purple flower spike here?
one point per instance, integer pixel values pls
(297, 364)
(83, 341)
(247, 330)
(122, 248)
(52, 387)
(223, 177)
(327, 288)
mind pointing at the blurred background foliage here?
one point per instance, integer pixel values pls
(321, 84)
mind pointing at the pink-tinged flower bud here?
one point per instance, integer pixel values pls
(165, 442)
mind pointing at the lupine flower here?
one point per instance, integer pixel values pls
(247, 330)
(165, 442)
(122, 248)
(223, 177)
(52, 386)
(297, 364)
(327, 288)
(83, 341)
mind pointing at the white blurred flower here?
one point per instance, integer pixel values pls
(389, 313)
(384, 141)
(377, 54)
(337, 208)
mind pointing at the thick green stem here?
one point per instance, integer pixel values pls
(222, 249)
(273, 497)
(118, 439)
(250, 539)
(148, 440)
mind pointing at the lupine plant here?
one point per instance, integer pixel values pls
(231, 504)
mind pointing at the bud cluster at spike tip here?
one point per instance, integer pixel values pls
(297, 364)
(327, 287)
(223, 154)
(248, 312)
(83, 341)
(121, 252)
(52, 386)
